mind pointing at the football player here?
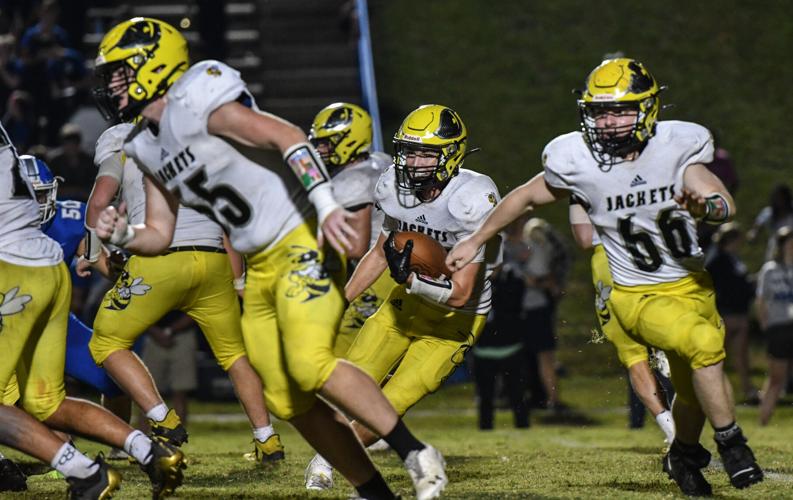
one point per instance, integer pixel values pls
(292, 304)
(342, 134)
(35, 288)
(644, 184)
(194, 275)
(427, 324)
(633, 355)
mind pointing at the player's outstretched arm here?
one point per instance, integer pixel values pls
(705, 197)
(263, 130)
(536, 192)
(581, 226)
(151, 238)
(368, 270)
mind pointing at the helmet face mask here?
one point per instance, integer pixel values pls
(618, 109)
(342, 134)
(429, 149)
(45, 186)
(137, 63)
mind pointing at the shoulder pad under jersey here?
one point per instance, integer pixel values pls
(206, 86)
(111, 141)
(474, 199)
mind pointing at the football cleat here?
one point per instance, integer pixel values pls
(683, 467)
(427, 470)
(319, 474)
(739, 462)
(11, 477)
(269, 451)
(98, 486)
(164, 469)
(169, 430)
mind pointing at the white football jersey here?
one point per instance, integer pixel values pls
(255, 205)
(192, 228)
(460, 208)
(355, 185)
(21, 241)
(647, 236)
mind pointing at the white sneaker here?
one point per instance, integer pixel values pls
(319, 474)
(379, 445)
(427, 470)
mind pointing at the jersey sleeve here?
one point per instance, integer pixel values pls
(471, 204)
(355, 187)
(558, 168)
(698, 144)
(762, 280)
(206, 86)
(108, 145)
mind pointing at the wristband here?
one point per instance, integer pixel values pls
(717, 210)
(93, 245)
(239, 283)
(307, 165)
(324, 202)
(435, 290)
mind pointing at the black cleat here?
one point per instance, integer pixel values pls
(11, 476)
(98, 486)
(683, 466)
(169, 430)
(739, 462)
(164, 469)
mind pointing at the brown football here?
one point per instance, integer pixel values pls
(428, 256)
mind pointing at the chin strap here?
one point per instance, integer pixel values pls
(435, 289)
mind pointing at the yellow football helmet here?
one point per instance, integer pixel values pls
(433, 131)
(152, 54)
(615, 86)
(342, 133)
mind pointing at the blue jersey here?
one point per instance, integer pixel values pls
(67, 227)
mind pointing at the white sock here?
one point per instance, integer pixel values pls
(667, 424)
(262, 433)
(158, 413)
(71, 463)
(138, 445)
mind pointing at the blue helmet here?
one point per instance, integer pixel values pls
(44, 184)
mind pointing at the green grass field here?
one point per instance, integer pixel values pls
(591, 456)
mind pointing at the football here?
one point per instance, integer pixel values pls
(428, 256)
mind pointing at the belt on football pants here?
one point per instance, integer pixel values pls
(195, 248)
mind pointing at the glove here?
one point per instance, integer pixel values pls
(398, 262)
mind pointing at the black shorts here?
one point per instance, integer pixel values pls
(780, 341)
(539, 329)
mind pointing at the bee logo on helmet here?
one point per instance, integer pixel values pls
(342, 133)
(431, 132)
(138, 61)
(618, 86)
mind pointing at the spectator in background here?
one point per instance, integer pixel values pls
(9, 77)
(20, 121)
(500, 349)
(775, 313)
(543, 273)
(170, 355)
(72, 163)
(778, 214)
(734, 294)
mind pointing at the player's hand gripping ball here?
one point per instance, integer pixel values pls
(412, 251)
